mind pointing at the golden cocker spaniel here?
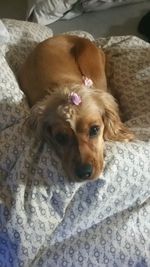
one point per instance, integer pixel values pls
(65, 83)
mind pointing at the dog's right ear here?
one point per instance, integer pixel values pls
(36, 119)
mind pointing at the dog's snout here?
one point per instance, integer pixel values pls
(84, 171)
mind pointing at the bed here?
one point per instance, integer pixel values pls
(45, 220)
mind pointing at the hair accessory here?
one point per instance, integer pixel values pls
(75, 99)
(87, 82)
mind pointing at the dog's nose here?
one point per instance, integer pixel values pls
(84, 171)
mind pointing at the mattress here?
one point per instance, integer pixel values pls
(46, 220)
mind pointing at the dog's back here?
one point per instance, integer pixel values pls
(60, 61)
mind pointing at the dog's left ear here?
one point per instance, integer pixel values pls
(114, 128)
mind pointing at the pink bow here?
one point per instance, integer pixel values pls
(75, 99)
(87, 82)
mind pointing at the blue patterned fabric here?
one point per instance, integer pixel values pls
(47, 221)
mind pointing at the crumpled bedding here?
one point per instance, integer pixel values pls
(49, 11)
(94, 5)
(45, 220)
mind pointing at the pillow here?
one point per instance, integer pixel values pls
(128, 71)
(4, 35)
(23, 36)
(95, 5)
(48, 11)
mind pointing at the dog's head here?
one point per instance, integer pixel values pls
(77, 121)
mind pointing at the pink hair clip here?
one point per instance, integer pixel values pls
(75, 99)
(87, 82)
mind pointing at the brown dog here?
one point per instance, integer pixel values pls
(64, 80)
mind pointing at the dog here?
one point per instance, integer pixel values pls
(65, 82)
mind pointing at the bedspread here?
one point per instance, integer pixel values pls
(45, 220)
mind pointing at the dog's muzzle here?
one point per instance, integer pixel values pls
(83, 171)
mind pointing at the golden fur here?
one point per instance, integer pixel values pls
(53, 71)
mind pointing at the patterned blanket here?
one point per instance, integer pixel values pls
(45, 220)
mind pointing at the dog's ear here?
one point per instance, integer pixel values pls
(34, 120)
(91, 62)
(114, 128)
(37, 119)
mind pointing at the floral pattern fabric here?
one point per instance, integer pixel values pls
(45, 220)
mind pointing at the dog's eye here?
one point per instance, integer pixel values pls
(94, 130)
(61, 138)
